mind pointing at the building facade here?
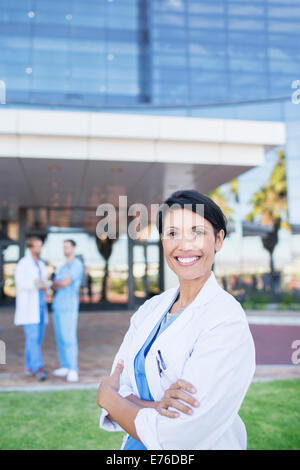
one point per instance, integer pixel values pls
(209, 59)
(96, 53)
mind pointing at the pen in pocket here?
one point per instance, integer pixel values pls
(161, 360)
(159, 368)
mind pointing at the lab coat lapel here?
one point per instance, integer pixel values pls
(208, 291)
(33, 266)
(146, 328)
(168, 338)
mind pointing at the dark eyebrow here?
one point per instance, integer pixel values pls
(194, 226)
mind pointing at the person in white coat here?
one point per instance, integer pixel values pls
(31, 307)
(188, 357)
(65, 309)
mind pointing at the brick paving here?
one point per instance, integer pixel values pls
(273, 343)
(100, 334)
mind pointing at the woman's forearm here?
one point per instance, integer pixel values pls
(142, 403)
(122, 411)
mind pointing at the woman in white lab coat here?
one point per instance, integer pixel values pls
(188, 358)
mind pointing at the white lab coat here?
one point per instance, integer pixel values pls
(27, 295)
(209, 345)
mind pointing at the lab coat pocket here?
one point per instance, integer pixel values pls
(169, 373)
(174, 365)
(167, 379)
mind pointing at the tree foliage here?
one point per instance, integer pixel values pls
(270, 207)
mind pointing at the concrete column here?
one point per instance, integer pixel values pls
(22, 230)
(161, 276)
(131, 299)
(1, 272)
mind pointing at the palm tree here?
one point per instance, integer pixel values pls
(270, 207)
(105, 246)
(222, 200)
(234, 189)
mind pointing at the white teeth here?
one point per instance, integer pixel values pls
(187, 260)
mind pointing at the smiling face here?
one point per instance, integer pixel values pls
(189, 243)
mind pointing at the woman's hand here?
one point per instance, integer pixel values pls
(109, 385)
(173, 394)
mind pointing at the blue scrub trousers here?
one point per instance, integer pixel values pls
(65, 326)
(34, 334)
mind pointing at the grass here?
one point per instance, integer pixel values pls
(53, 420)
(271, 412)
(70, 419)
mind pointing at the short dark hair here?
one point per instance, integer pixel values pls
(70, 241)
(32, 239)
(191, 197)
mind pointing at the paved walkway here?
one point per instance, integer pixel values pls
(100, 335)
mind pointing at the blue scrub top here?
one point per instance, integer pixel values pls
(67, 298)
(140, 373)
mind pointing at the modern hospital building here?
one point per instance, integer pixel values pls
(104, 98)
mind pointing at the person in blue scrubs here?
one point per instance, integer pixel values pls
(65, 308)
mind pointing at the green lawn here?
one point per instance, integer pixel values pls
(69, 419)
